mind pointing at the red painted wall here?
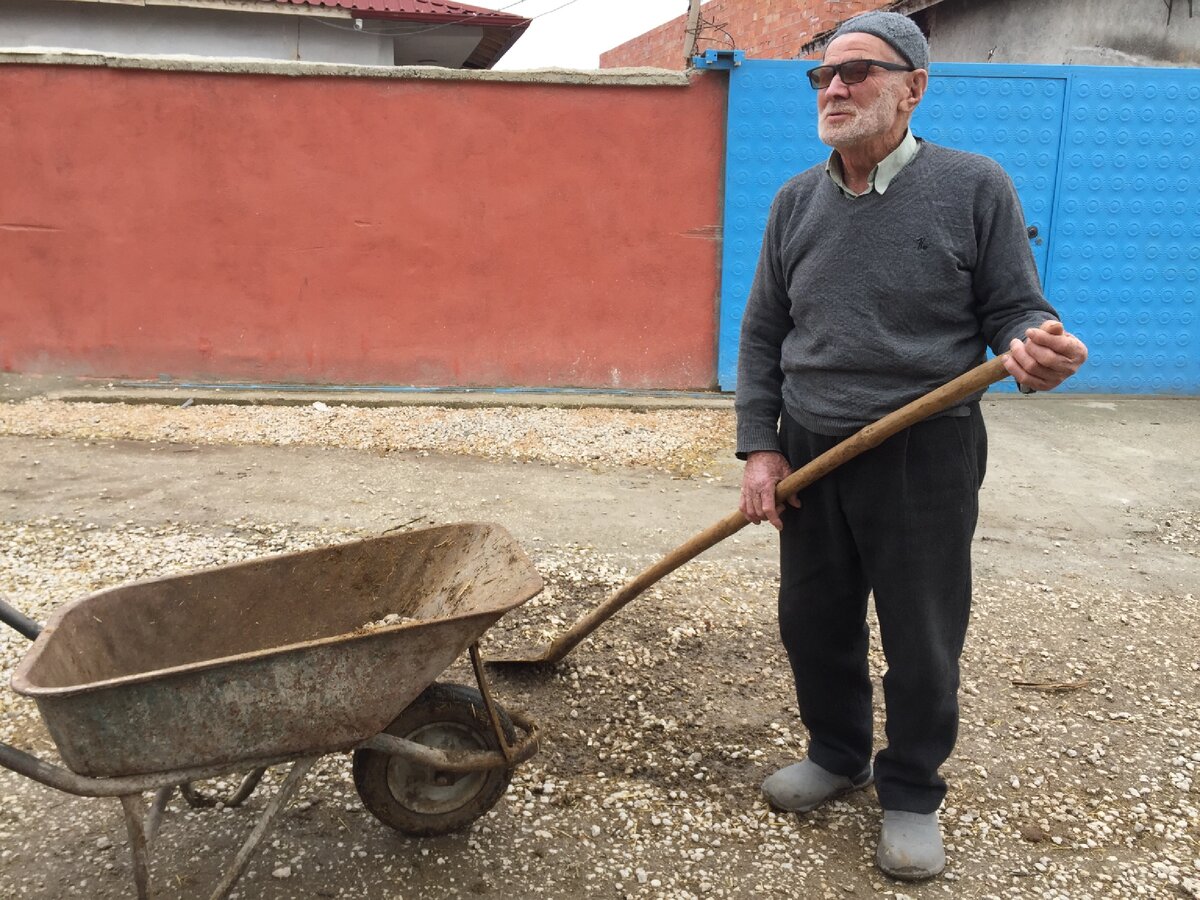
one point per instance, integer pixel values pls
(765, 29)
(352, 230)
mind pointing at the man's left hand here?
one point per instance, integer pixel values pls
(1047, 357)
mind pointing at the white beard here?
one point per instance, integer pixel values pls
(864, 125)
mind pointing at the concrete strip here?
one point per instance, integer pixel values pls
(15, 388)
(52, 56)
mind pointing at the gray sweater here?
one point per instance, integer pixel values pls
(861, 305)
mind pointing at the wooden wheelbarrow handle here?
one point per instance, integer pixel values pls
(872, 435)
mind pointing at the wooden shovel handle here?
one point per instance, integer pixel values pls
(872, 435)
(876, 433)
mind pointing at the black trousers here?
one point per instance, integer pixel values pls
(896, 521)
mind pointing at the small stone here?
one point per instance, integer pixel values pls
(1032, 833)
(282, 872)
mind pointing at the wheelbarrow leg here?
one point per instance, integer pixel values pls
(296, 775)
(135, 826)
(142, 829)
(157, 808)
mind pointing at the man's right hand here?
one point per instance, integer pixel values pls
(764, 470)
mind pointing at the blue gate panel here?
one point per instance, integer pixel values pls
(1125, 269)
(1015, 121)
(1106, 164)
(772, 135)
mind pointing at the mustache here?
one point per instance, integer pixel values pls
(840, 108)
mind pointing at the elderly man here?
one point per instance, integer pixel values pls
(884, 273)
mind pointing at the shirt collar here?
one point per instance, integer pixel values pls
(883, 174)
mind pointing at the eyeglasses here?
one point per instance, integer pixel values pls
(851, 72)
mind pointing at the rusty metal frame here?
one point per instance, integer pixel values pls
(197, 799)
(440, 638)
(461, 761)
(485, 691)
(83, 786)
(276, 805)
(142, 827)
(448, 760)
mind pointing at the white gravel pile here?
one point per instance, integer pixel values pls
(671, 440)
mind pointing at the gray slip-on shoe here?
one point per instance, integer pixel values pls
(910, 845)
(804, 786)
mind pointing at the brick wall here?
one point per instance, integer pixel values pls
(765, 29)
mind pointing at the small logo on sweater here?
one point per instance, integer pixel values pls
(922, 243)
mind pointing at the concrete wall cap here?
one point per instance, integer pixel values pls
(53, 56)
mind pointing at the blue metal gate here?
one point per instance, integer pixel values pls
(1106, 161)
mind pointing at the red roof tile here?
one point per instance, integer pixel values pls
(435, 11)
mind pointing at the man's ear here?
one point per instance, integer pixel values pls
(917, 82)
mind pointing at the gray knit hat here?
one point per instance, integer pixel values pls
(899, 31)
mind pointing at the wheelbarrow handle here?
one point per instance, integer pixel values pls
(18, 621)
(63, 779)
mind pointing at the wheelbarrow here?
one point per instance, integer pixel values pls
(154, 685)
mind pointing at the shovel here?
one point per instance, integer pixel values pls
(872, 435)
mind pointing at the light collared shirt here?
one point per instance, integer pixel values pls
(883, 174)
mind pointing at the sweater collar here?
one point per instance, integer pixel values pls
(883, 174)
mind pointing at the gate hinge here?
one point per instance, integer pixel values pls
(719, 59)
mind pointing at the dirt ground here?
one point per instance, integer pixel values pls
(1075, 772)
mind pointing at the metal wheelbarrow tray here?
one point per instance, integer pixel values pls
(155, 684)
(266, 658)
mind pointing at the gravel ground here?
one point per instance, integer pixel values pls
(668, 440)
(1075, 774)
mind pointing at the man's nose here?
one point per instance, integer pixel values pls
(837, 88)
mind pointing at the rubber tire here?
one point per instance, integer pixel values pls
(449, 704)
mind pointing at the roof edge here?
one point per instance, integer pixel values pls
(448, 20)
(251, 6)
(484, 17)
(496, 41)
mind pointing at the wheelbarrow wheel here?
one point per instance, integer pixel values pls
(421, 801)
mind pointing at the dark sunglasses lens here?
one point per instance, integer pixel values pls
(820, 77)
(854, 72)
